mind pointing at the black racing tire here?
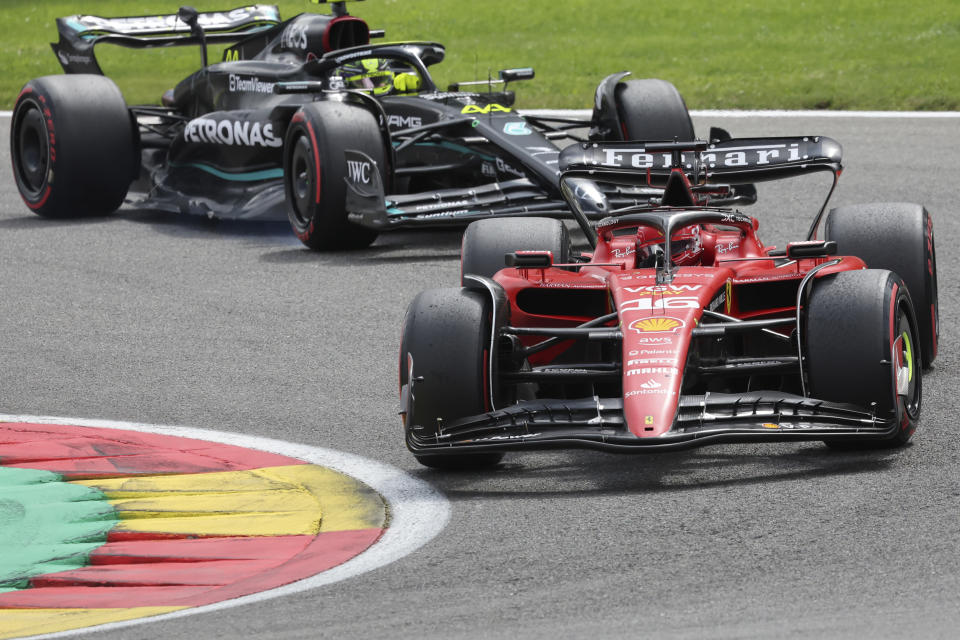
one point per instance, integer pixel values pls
(74, 146)
(861, 348)
(446, 333)
(652, 109)
(315, 172)
(486, 242)
(897, 236)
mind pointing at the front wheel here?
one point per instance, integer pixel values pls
(897, 236)
(445, 340)
(862, 348)
(652, 109)
(322, 140)
(486, 242)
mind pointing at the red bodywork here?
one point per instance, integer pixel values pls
(656, 320)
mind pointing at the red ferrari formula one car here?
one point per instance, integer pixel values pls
(680, 327)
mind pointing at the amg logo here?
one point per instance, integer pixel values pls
(404, 122)
(358, 171)
(231, 132)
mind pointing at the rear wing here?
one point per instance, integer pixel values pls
(675, 173)
(80, 33)
(733, 161)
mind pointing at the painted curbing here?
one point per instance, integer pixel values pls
(418, 512)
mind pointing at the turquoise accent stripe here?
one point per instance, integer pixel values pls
(75, 25)
(249, 176)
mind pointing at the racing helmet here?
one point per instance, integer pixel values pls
(380, 76)
(685, 245)
(368, 73)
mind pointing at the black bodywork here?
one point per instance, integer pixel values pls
(215, 146)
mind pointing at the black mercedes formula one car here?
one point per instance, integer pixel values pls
(679, 327)
(305, 119)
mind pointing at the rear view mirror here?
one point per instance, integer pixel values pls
(811, 249)
(529, 259)
(509, 75)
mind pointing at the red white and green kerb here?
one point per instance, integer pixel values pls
(103, 525)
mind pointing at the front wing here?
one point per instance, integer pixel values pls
(598, 423)
(370, 207)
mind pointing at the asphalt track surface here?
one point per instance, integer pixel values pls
(153, 318)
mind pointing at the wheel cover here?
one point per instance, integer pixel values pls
(301, 181)
(904, 360)
(31, 148)
(905, 370)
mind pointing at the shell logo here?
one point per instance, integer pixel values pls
(659, 324)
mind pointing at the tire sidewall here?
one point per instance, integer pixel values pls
(853, 323)
(301, 138)
(30, 100)
(652, 109)
(445, 333)
(329, 129)
(92, 145)
(486, 242)
(897, 237)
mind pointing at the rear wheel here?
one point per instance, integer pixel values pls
(486, 242)
(653, 109)
(315, 172)
(445, 340)
(73, 144)
(899, 237)
(861, 345)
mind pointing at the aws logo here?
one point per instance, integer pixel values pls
(489, 108)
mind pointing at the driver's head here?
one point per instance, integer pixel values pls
(369, 73)
(685, 246)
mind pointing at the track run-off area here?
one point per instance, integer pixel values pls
(143, 318)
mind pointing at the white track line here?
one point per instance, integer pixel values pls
(732, 113)
(418, 512)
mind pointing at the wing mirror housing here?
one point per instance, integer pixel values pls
(524, 73)
(529, 259)
(811, 249)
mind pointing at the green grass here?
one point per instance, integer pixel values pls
(749, 54)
